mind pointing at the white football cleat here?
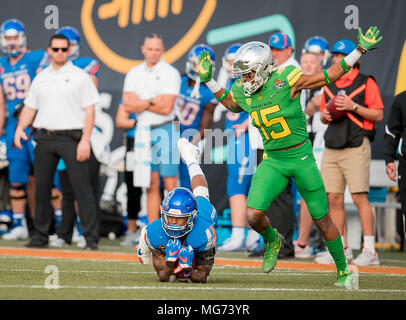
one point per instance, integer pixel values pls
(57, 243)
(17, 233)
(231, 245)
(324, 257)
(302, 253)
(366, 258)
(188, 151)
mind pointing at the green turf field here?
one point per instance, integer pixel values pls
(27, 278)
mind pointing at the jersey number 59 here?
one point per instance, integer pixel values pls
(262, 122)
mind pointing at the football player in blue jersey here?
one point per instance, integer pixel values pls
(17, 69)
(194, 105)
(319, 46)
(182, 243)
(66, 232)
(240, 167)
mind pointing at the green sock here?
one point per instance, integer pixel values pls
(269, 234)
(336, 249)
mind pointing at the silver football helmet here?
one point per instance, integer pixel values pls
(253, 59)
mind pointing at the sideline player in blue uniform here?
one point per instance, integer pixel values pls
(17, 70)
(182, 243)
(241, 161)
(195, 105)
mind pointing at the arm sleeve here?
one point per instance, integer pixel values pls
(31, 101)
(393, 130)
(293, 75)
(128, 82)
(172, 83)
(90, 95)
(373, 98)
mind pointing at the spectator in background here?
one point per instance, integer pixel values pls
(310, 64)
(240, 168)
(347, 155)
(281, 209)
(127, 121)
(394, 132)
(150, 90)
(194, 106)
(60, 104)
(66, 229)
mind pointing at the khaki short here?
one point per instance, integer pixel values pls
(349, 166)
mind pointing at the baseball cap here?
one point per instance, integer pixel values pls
(279, 41)
(344, 46)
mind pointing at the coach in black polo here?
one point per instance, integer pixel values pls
(60, 104)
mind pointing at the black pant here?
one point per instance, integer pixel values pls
(65, 230)
(48, 151)
(133, 193)
(280, 214)
(402, 195)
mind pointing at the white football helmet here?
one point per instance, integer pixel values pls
(253, 59)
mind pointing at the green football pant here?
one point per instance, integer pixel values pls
(274, 172)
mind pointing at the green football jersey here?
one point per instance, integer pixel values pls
(279, 119)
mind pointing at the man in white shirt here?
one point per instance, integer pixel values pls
(60, 105)
(150, 90)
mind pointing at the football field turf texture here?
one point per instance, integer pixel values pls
(113, 272)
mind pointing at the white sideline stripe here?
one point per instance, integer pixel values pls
(200, 288)
(310, 273)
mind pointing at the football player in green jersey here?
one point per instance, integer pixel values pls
(272, 98)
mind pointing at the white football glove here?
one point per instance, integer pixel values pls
(188, 151)
(144, 252)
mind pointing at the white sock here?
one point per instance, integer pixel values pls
(252, 237)
(237, 234)
(369, 243)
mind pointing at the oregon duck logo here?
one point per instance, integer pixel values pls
(149, 10)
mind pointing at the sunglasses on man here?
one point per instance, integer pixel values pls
(60, 49)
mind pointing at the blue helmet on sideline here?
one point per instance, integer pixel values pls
(192, 60)
(12, 28)
(74, 38)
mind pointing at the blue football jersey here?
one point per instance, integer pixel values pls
(90, 65)
(202, 237)
(231, 117)
(16, 80)
(190, 109)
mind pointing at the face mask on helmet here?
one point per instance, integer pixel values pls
(74, 38)
(253, 65)
(192, 60)
(179, 203)
(12, 37)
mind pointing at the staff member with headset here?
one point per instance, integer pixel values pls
(60, 103)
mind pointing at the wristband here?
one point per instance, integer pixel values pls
(194, 170)
(355, 108)
(353, 57)
(363, 50)
(223, 96)
(326, 77)
(344, 66)
(213, 86)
